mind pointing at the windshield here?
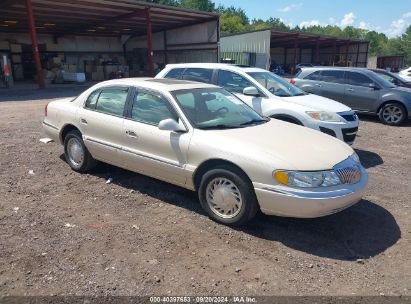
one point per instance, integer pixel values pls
(276, 85)
(216, 109)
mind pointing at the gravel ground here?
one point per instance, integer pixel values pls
(64, 233)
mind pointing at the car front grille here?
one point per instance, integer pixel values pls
(349, 175)
(349, 117)
(349, 134)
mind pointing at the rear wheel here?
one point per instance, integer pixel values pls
(392, 114)
(227, 196)
(76, 153)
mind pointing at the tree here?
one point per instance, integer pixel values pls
(202, 5)
(165, 2)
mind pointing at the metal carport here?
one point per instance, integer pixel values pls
(127, 19)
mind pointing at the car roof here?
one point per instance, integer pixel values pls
(353, 69)
(226, 66)
(154, 83)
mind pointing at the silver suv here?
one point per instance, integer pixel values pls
(360, 89)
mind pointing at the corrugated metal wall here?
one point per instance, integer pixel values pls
(255, 42)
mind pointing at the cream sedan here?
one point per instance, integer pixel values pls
(205, 139)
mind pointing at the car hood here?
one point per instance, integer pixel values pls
(277, 143)
(318, 103)
(402, 90)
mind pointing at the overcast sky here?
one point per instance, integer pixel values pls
(391, 17)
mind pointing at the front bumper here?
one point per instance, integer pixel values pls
(308, 203)
(345, 131)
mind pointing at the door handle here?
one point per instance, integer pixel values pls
(318, 85)
(350, 89)
(131, 133)
(83, 121)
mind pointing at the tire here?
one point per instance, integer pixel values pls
(392, 114)
(76, 153)
(223, 179)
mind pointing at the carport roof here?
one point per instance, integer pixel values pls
(96, 17)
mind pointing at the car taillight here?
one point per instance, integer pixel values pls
(292, 81)
(45, 110)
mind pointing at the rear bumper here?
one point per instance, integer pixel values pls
(51, 131)
(291, 202)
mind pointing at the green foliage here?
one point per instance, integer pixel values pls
(202, 5)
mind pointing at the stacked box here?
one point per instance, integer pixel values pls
(15, 48)
(4, 45)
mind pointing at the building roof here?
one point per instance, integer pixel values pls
(288, 38)
(96, 17)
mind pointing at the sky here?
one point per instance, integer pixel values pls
(390, 17)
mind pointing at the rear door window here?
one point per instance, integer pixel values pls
(200, 75)
(233, 82)
(112, 101)
(358, 79)
(333, 76)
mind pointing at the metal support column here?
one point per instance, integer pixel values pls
(34, 43)
(149, 40)
(295, 55)
(346, 52)
(334, 52)
(317, 51)
(165, 47)
(358, 54)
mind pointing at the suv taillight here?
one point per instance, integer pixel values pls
(45, 110)
(292, 81)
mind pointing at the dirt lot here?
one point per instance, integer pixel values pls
(66, 233)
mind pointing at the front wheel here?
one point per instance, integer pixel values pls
(227, 196)
(392, 114)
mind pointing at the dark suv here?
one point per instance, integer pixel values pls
(360, 89)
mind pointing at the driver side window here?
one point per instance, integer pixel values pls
(151, 108)
(232, 82)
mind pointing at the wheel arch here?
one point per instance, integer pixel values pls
(287, 118)
(392, 101)
(67, 128)
(210, 164)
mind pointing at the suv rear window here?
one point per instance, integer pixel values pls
(174, 73)
(200, 75)
(314, 76)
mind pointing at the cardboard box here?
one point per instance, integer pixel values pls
(53, 47)
(16, 58)
(15, 48)
(97, 76)
(4, 45)
(72, 68)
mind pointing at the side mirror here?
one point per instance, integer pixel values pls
(251, 91)
(373, 86)
(171, 125)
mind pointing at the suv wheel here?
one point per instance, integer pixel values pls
(392, 114)
(76, 153)
(227, 196)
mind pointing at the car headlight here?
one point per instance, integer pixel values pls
(307, 179)
(324, 116)
(355, 157)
